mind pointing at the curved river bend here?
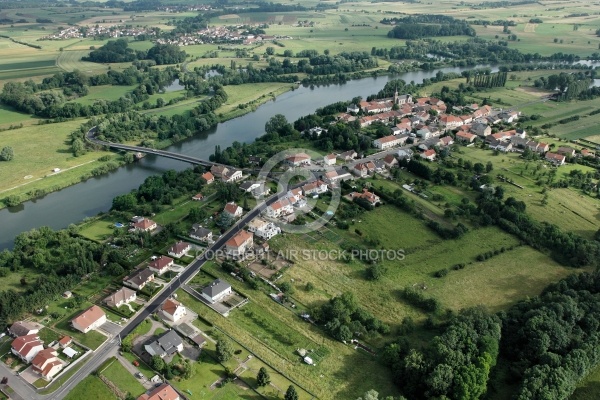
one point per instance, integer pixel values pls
(72, 204)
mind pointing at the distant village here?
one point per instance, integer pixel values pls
(238, 34)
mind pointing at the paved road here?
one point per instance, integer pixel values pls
(110, 348)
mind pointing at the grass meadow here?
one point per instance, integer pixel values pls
(91, 388)
(122, 378)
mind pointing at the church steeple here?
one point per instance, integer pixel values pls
(396, 95)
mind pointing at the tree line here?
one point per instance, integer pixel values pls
(427, 25)
(118, 51)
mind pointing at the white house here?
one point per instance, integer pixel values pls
(216, 291)
(173, 310)
(90, 319)
(316, 187)
(200, 233)
(179, 249)
(299, 159)
(263, 229)
(46, 363)
(387, 141)
(428, 155)
(27, 347)
(160, 265)
(296, 198)
(233, 210)
(120, 297)
(279, 208)
(329, 159)
(556, 159)
(239, 244)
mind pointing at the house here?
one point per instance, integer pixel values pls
(352, 108)
(504, 147)
(493, 119)
(217, 290)
(261, 189)
(465, 137)
(198, 197)
(139, 279)
(47, 364)
(586, 153)
(372, 198)
(297, 160)
(347, 155)
(450, 121)
(163, 392)
(537, 147)
(233, 210)
(232, 176)
(248, 186)
(315, 187)
(423, 133)
(279, 208)
(390, 161)
(329, 159)
(23, 328)
(509, 116)
(218, 171)
(173, 310)
(90, 319)
(167, 344)
(446, 141)
(363, 169)
(388, 141)
(556, 159)
(239, 244)
(160, 265)
(200, 233)
(428, 155)
(179, 249)
(466, 119)
(208, 177)
(27, 347)
(263, 229)
(481, 129)
(566, 151)
(296, 198)
(65, 341)
(120, 297)
(405, 154)
(145, 225)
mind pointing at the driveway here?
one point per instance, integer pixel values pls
(29, 375)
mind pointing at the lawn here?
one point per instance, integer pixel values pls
(122, 378)
(47, 147)
(106, 92)
(9, 116)
(92, 339)
(91, 388)
(98, 230)
(252, 95)
(589, 388)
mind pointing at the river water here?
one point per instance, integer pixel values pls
(70, 205)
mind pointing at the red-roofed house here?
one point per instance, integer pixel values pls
(465, 137)
(208, 177)
(329, 159)
(27, 347)
(280, 208)
(299, 159)
(239, 244)
(198, 197)
(446, 141)
(65, 341)
(179, 249)
(145, 225)
(233, 210)
(160, 265)
(90, 319)
(388, 141)
(366, 195)
(390, 161)
(364, 169)
(163, 392)
(173, 310)
(556, 159)
(46, 363)
(450, 121)
(428, 155)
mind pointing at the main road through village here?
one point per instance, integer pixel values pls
(111, 346)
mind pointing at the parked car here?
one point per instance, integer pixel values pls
(4, 380)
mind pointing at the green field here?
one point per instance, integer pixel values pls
(91, 388)
(122, 378)
(107, 92)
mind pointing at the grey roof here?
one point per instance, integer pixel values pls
(140, 277)
(167, 343)
(199, 231)
(247, 185)
(22, 328)
(215, 288)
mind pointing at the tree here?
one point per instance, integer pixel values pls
(291, 394)
(263, 378)
(224, 350)
(489, 167)
(157, 363)
(276, 123)
(78, 147)
(7, 154)
(270, 51)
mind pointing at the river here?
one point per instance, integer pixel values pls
(71, 205)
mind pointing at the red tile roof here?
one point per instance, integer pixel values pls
(239, 238)
(160, 263)
(89, 316)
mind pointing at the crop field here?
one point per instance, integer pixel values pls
(70, 60)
